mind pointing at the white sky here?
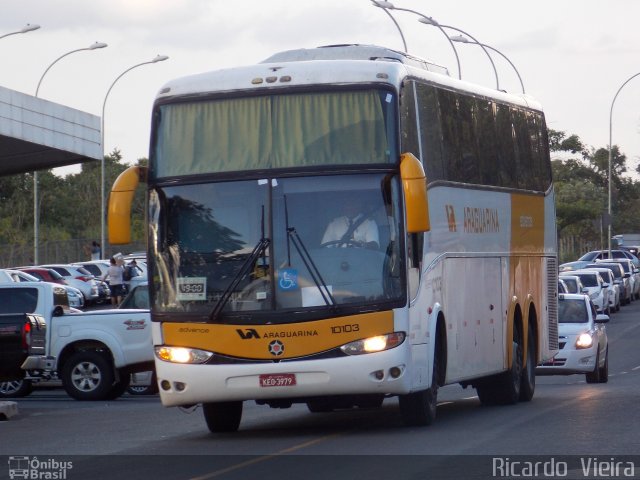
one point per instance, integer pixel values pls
(572, 55)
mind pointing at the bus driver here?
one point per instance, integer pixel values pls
(353, 228)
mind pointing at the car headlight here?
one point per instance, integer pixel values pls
(373, 344)
(585, 340)
(182, 354)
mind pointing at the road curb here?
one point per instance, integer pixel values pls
(8, 410)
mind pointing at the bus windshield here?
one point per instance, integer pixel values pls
(224, 249)
(341, 127)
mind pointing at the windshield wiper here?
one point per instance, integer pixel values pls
(293, 237)
(240, 275)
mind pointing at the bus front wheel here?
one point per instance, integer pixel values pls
(419, 408)
(222, 416)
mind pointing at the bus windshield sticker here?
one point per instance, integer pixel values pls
(288, 279)
(312, 296)
(192, 288)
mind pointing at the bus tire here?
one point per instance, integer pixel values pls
(419, 408)
(118, 388)
(222, 416)
(320, 405)
(88, 375)
(504, 389)
(528, 383)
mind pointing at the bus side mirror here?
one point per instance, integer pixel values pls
(120, 200)
(414, 185)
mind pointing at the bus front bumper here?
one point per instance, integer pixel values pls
(375, 373)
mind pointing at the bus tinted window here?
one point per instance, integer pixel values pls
(479, 141)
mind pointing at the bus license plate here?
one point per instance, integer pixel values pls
(278, 380)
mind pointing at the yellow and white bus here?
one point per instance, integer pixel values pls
(448, 273)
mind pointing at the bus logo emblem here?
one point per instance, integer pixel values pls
(248, 333)
(451, 217)
(276, 348)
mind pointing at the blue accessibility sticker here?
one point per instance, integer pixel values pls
(288, 279)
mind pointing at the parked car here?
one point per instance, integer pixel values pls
(614, 288)
(562, 287)
(571, 266)
(634, 276)
(80, 278)
(573, 283)
(596, 288)
(76, 299)
(98, 268)
(604, 254)
(138, 297)
(623, 280)
(584, 347)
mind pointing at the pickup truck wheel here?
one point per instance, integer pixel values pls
(16, 388)
(88, 376)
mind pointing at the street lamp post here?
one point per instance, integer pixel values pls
(385, 7)
(463, 39)
(158, 58)
(36, 209)
(390, 6)
(610, 154)
(27, 28)
(431, 21)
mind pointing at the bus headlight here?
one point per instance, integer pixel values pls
(373, 344)
(585, 340)
(182, 355)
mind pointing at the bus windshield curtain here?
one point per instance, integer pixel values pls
(271, 132)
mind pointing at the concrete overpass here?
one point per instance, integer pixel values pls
(36, 134)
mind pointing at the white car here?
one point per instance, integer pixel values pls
(623, 280)
(634, 276)
(615, 298)
(573, 283)
(584, 347)
(79, 278)
(596, 287)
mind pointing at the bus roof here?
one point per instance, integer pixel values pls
(331, 65)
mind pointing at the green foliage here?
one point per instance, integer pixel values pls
(69, 206)
(582, 185)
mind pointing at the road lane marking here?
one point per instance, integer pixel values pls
(264, 458)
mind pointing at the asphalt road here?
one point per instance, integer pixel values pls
(568, 422)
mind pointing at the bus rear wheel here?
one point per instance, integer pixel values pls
(222, 416)
(504, 389)
(528, 384)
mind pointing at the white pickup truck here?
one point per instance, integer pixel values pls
(93, 353)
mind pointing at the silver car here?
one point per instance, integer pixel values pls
(79, 278)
